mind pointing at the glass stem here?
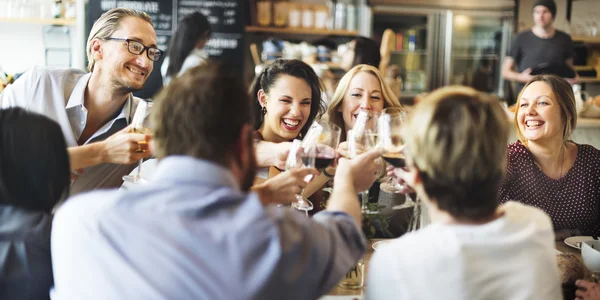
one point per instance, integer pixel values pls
(139, 169)
(365, 198)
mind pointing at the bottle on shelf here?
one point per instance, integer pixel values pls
(264, 9)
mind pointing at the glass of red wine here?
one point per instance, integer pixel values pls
(321, 140)
(300, 157)
(391, 144)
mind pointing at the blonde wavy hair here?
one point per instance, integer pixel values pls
(334, 116)
(456, 137)
(107, 24)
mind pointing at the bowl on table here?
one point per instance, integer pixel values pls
(590, 252)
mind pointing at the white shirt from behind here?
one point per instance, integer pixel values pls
(512, 257)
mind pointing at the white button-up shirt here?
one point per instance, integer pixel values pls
(58, 94)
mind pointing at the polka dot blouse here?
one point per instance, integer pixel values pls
(572, 202)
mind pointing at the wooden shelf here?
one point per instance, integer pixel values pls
(305, 31)
(586, 39)
(40, 21)
(589, 80)
(407, 52)
(584, 68)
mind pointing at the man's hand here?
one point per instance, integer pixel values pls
(283, 188)
(587, 290)
(399, 174)
(359, 170)
(525, 76)
(125, 148)
(342, 150)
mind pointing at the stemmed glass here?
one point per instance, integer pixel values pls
(140, 124)
(390, 143)
(299, 157)
(359, 143)
(324, 137)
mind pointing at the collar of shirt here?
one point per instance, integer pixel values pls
(78, 112)
(189, 170)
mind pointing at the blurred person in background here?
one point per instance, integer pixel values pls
(194, 230)
(186, 49)
(358, 51)
(546, 169)
(32, 182)
(541, 50)
(95, 108)
(473, 248)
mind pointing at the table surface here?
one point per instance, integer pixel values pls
(339, 291)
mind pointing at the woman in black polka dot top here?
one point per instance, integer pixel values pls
(546, 169)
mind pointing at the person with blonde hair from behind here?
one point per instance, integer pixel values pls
(95, 108)
(473, 249)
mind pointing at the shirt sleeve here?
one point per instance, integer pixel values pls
(569, 48)
(18, 94)
(515, 49)
(381, 282)
(318, 252)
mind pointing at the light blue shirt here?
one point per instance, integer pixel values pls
(192, 234)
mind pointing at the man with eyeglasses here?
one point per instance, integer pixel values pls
(95, 108)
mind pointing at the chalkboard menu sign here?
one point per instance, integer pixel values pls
(226, 17)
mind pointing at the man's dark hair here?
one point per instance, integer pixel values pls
(366, 51)
(190, 30)
(34, 163)
(295, 68)
(201, 114)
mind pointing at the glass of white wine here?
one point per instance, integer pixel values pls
(140, 124)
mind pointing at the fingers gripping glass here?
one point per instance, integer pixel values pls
(138, 48)
(140, 124)
(301, 158)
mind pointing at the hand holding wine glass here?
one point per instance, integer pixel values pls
(299, 157)
(140, 124)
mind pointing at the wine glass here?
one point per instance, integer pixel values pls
(300, 157)
(359, 143)
(322, 138)
(390, 143)
(140, 124)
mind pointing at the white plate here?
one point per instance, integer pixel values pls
(380, 243)
(575, 241)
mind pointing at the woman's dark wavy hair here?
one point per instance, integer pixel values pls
(34, 163)
(190, 30)
(366, 51)
(292, 67)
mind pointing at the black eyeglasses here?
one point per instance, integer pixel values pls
(138, 48)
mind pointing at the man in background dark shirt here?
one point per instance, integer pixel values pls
(543, 49)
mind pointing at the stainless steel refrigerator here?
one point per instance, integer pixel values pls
(439, 45)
